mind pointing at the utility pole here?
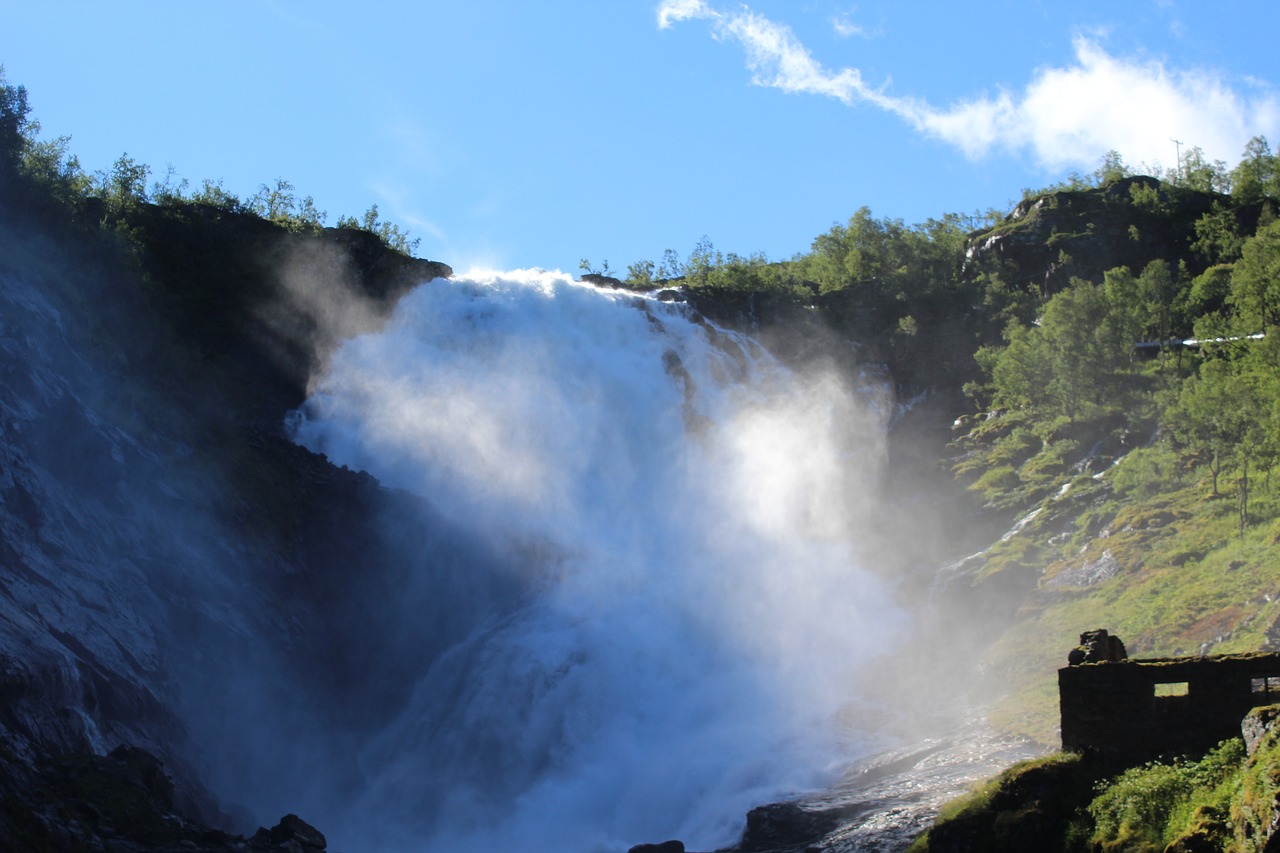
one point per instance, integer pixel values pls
(1178, 155)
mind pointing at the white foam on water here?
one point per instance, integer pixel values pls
(678, 507)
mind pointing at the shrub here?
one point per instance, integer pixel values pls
(1161, 801)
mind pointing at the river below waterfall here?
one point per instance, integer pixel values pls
(888, 798)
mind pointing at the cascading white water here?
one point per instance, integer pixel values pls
(676, 508)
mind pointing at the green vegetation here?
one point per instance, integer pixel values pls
(1151, 806)
(1224, 801)
(1022, 808)
(898, 290)
(389, 233)
(1252, 808)
(44, 177)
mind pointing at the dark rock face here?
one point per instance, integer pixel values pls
(122, 801)
(145, 483)
(293, 834)
(1256, 724)
(601, 280)
(1050, 238)
(664, 847)
(266, 306)
(784, 826)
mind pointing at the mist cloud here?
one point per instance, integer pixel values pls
(1065, 117)
(689, 618)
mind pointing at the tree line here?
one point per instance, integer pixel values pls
(1185, 350)
(42, 172)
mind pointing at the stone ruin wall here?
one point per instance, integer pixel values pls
(1133, 710)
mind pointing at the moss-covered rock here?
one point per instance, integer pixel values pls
(1030, 806)
(1255, 812)
(1225, 802)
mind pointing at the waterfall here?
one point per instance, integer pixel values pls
(684, 620)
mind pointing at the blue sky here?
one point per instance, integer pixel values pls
(532, 134)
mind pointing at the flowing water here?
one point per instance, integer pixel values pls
(685, 620)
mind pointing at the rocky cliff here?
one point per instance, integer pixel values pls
(162, 545)
(1049, 238)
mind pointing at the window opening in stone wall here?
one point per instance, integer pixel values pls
(1172, 688)
(1270, 684)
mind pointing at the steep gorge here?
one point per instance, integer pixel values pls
(180, 576)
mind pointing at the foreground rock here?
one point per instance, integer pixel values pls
(123, 801)
(160, 538)
(664, 847)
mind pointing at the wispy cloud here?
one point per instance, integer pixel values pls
(846, 28)
(1065, 117)
(671, 11)
(775, 56)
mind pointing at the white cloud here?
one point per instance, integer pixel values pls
(1065, 117)
(778, 59)
(682, 10)
(1101, 102)
(846, 28)
(774, 54)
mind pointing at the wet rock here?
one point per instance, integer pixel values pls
(784, 826)
(1256, 724)
(291, 835)
(124, 801)
(127, 792)
(1090, 573)
(664, 847)
(602, 280)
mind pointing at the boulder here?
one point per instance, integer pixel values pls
(602, 280)
(783, 825)
(1096, 647)
(292, 834)
(1256, 724)
(665, 847)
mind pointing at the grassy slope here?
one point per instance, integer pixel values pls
(1115, 531)
(1110, 530)
(1145, 551)
(1224, 801)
